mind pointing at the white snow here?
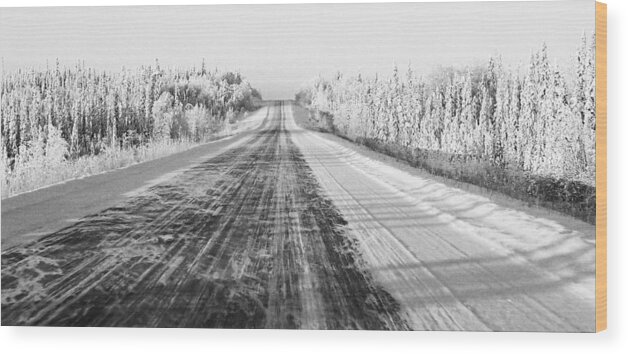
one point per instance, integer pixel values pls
(455, 259)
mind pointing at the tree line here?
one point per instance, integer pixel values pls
(539, 123)
(93, 110)
(54, 116)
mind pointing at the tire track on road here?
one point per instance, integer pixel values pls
(245, 239)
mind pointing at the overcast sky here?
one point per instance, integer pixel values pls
(281, 47)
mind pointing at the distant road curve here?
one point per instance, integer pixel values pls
(286, 228)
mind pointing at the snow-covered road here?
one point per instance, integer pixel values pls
(453, 259)
(282, 227)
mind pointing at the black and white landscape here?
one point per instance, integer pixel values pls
(369, 166)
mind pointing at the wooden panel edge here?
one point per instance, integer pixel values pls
(600, 168)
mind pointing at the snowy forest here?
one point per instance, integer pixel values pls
(63, 123)
(529, 133)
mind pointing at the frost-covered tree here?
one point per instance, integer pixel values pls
(583, 103)
(532, 121)
(93, 111)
